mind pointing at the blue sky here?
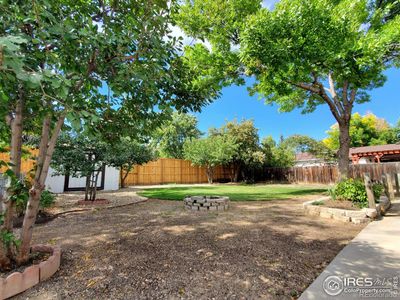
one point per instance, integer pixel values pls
(236, 103)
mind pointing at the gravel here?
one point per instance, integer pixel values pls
(158, 250)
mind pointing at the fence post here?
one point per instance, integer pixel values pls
(389, 185)
(398, 183)
(370, 193)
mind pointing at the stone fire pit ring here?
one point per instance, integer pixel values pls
(206, 203)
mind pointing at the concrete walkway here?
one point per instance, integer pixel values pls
(373, 256)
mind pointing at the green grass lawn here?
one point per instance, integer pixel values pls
(234, 192)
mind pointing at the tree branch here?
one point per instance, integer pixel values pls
(318, 91)
(334, 95)
(344, 93)
(305, 86)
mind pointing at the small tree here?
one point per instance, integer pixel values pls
(210, 152)
(81, 156)
(245, 136)
(277, 155)
(303, 143)
(127, 153)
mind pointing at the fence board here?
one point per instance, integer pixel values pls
(170, 170)
(27, 163)
(330, 174)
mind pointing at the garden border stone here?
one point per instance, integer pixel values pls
(364, 215)
(18, 282)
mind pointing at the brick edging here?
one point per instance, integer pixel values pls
(18, 282)
(364, 215)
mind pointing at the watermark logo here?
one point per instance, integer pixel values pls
(333, 285)
(364, 287)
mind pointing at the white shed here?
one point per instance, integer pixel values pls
(108, 181)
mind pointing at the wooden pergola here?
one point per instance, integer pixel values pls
(390, 152)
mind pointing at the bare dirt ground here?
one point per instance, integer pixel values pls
(342, 204)
(157, 250)
(69, 201)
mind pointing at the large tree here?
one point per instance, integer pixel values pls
(55, 56)
(310, 52)
(170, 137)
(215, 26)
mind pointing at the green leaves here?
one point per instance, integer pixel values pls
(365, 130)
(8, 238)
(171, 136)
(211, 151)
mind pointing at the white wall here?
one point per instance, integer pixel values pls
(111, 180)
(56, 183)
(366, 160)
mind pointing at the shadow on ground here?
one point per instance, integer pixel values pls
(157, 250)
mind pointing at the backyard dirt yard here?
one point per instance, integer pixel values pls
(157, 250)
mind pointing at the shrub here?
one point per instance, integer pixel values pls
(354, 190)
(47, 199)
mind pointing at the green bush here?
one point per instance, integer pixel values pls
(47, 199)
(354, 190)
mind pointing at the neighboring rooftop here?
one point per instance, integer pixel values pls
(384, 149)
(305, 156)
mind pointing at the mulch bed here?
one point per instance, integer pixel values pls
(157, 250)
(34, 259)
(342, 204)
(42, 217)
(95, 202)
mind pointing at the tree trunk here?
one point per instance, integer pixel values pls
(96, 177)
(15, 157)
(123, 178)
(87, 188)
(344, 149)
(46, 151)
(236, 171)
(16, 122)
(210, 174)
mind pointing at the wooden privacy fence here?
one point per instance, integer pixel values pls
(329, 174)
(27, 163)
(170, 170)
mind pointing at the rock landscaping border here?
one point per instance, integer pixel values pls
(206, 203)
(18, 282)
(364, 215)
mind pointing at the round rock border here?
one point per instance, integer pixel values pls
(19, 282)
(361, 216)
(206, 203)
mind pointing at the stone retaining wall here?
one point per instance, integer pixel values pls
(18, 282)
(364, 215)
(206, 203)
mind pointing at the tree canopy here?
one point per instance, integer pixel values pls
(365, 130)
(57, 58)
(170, 137)
(277, 154)
(245, 136)
(210, 152)
(126, 153)
(305, 53)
